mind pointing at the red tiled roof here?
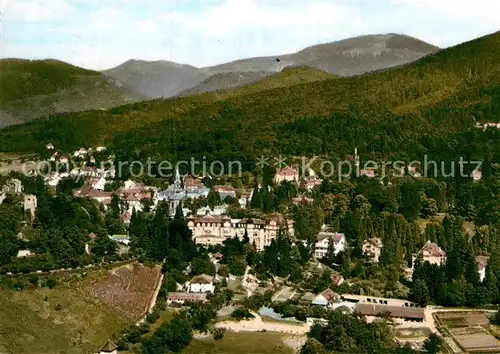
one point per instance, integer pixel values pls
(287, 171)
(335, 236)
(482, 261)
(433, 249)
(224, 189)
(329, 294)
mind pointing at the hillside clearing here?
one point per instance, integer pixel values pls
(61, 320)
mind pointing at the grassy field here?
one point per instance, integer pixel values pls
(241, 342)
(61, 320)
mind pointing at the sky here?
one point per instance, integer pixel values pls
(100, 34)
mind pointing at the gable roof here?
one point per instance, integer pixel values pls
(109, 347)
(433, 249)
(482, 261)
(329, 294)
(202, 279)
(335, 236)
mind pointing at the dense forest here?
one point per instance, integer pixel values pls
(429, 107)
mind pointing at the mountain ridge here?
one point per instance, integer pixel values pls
(347, 57)
(426, 107)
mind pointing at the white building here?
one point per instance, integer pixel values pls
(482, 263)
(287, 173)
(99, 184)
(49, 146)
(30, 204)
(181, 298)
(23, 253)
(80, 153)
(372, 249)
(201, 284)
(323, 240)
(100, 149)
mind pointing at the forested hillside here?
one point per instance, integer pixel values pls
(427, 107)
(32, 89)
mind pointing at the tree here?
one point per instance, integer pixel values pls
(213, 198)
(224, 271)
(218, 333)
(433, 344)
(420, 293)
(312, 346)
(8, 247)
(202, 265)
(114, 207)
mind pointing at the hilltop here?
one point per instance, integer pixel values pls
(352, 56)
(347, 57)
(157, 78)
(426, 107)
(31, 89)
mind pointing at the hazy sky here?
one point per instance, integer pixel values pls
(99, 34)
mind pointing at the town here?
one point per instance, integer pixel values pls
(288, 261)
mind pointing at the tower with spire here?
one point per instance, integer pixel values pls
(177, 179)
(356, 159)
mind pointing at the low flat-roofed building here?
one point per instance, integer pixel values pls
(362, 299)
(181, 298)
(404, 313)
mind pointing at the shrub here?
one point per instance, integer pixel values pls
(51, 283)
(219, 333)
(241, 313)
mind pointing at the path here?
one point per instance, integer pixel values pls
(245, 284)
(154, 296)
(257, 324)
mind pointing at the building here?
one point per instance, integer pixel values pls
(323, 241)
(372, 300)
(302, 200)
(372, 248)
(288, 173)
(100, 149)
(123, 239)
(477, 175)
(216, 211)
(326, 298)
(431, 253)
(415, 314)
(181, 298)
(482, 263)
(213, 230)
(49, 146)
(109, 348)
(225, 191)
(80, 153)
(369, 172)
(175, 194)
(312, 182)
(30, 204)
(23, 253)
(245, 199)
(201, 284)
(13, 185)
(337, 279)
(191, 183)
